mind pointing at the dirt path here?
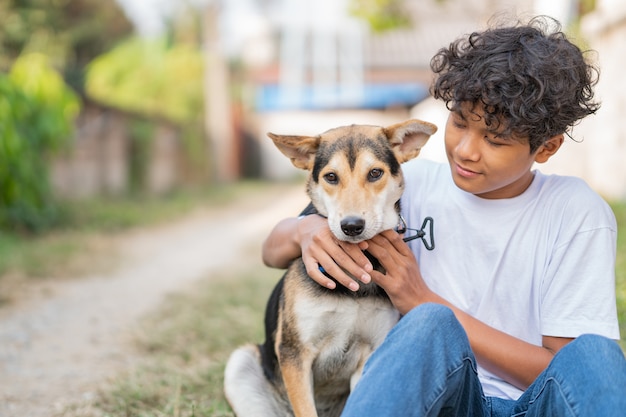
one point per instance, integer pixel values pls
(55, 351)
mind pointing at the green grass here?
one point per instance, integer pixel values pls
(115, 214)
(184, 348)
(620, 268)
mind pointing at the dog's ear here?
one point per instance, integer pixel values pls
(408, 138)
(299, 149)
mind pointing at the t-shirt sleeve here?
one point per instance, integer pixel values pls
(578, 293)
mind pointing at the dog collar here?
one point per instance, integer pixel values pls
(401, 227)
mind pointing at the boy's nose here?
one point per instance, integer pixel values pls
(468, 147)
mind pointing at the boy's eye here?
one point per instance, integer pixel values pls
(331, 178)
(493, 141)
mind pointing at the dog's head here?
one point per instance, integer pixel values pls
(355, 178)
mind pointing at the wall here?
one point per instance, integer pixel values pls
(99, 160)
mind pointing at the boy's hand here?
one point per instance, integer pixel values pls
(339, 259)
(403, 280)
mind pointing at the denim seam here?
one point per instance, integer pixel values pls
(445, 389)
(543, 387)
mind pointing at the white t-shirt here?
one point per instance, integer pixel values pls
(541, 263)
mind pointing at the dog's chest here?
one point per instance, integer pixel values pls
(344, 331)
(344, 318)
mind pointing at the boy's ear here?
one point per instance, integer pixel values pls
(549, 148)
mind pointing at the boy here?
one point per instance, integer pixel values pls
(514, 310)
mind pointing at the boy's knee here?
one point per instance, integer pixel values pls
(594, 357)
(431, 333)
(593, 346)
(430, 313)
(433, 321)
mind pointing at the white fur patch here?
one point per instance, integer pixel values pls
(344, 326)
(246, 388)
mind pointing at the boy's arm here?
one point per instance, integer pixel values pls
(311, 238)
(512, 359)
(282, 245)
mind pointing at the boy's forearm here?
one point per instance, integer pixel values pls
(512, 359)
(282, 245)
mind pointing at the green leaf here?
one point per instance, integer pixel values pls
(37, 112)
(137, 76)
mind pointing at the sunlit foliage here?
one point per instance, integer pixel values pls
(150, 77)
(37, 110)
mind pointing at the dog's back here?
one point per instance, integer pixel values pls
(317, 339)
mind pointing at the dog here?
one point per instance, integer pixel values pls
(318, 339)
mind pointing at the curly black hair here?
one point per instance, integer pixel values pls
(531, 82)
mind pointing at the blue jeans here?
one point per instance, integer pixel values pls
(425, 367)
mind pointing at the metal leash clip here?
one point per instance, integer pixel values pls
(428, 239)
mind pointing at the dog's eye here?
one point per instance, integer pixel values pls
(331, 178)
(375, 174)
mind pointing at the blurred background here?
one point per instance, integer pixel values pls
(110, 97)
(134, 156)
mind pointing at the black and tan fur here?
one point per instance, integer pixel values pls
(317, 340)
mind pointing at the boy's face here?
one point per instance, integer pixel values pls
(482, 162)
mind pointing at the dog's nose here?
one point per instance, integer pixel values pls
(352, 226)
